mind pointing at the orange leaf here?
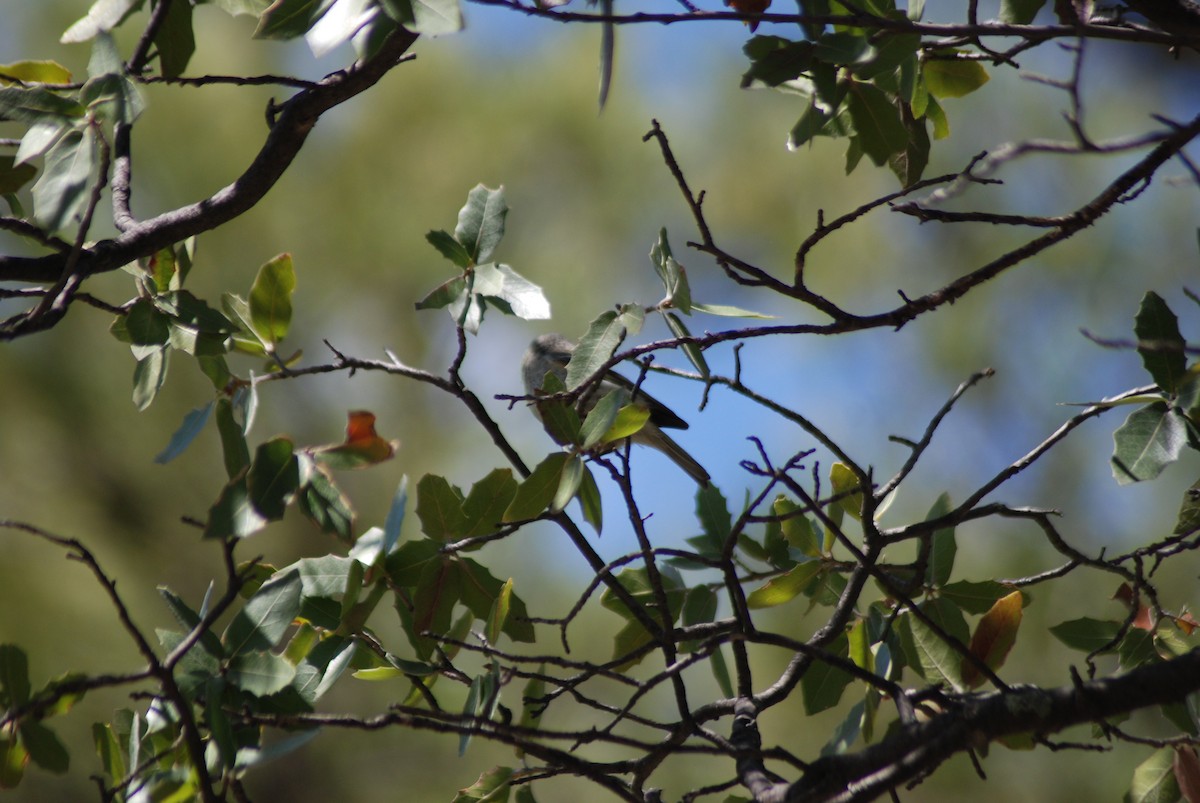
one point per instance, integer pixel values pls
(1186, 622)
(1143, 620)
(994, 636)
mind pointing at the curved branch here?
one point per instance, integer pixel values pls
(295, 121)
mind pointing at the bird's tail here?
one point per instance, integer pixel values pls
(653, 436)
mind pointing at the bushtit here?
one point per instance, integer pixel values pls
(551, 353)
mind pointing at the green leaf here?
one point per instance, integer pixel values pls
(481, 222)
(13, 758)
(589, 501)
(193, 425)
(1160, 345)
(1087, 634)
(1020, 12)
(266, 616)
(406, 565)
(492, 787)
(287, 19)
(671, 274)
(35, 72)
(727, 311)
(937, 658)
(515, 294)
(691, 350)
(1188, 520)
(595, 348)
(36, 106)
(189, 619)
(1150, 440)
(848, 489)
(953, 78)
(498, 615)
(975, 597)
(233, 441)
(260, 673)
(909, 164)
(600, 418)
(890, 54)
(480, 592)
(61, 193)
(943, 546)
(795, 527)
(13, 177)
(440, 508)
(433, 601)
(426, 17)
(233, 515)
(273, 478)
(1154, 779)
(323, 503)
(148, 377)
(847, 731)
(630, 420)
(449, 247)
(823, 684)
(104, 15)
(785, 587)
(843, 48)
(44, 747)
(558, 417)
(699, 607)
(568, 483)
(218, 722)
(14, 676)
(879, 131)
(775, 60)
(325, 576)
(109, 91)
(112, 760)
(271, 299)
(536, 492)
(637, 582)
(713, 512)
(175, 40)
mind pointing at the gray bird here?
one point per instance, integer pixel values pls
(551, 353)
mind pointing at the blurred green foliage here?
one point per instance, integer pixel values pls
(588, 199)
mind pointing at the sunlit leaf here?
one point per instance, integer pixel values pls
(536, 492)
(1151, 438)
(271, 299)
(61, 192)
(104, 15)
(481, 222)
(260, 673)
(785, 587)
(266, 616)
(491, 787)
(595, 348)
(1154, 779)
(954, 78)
